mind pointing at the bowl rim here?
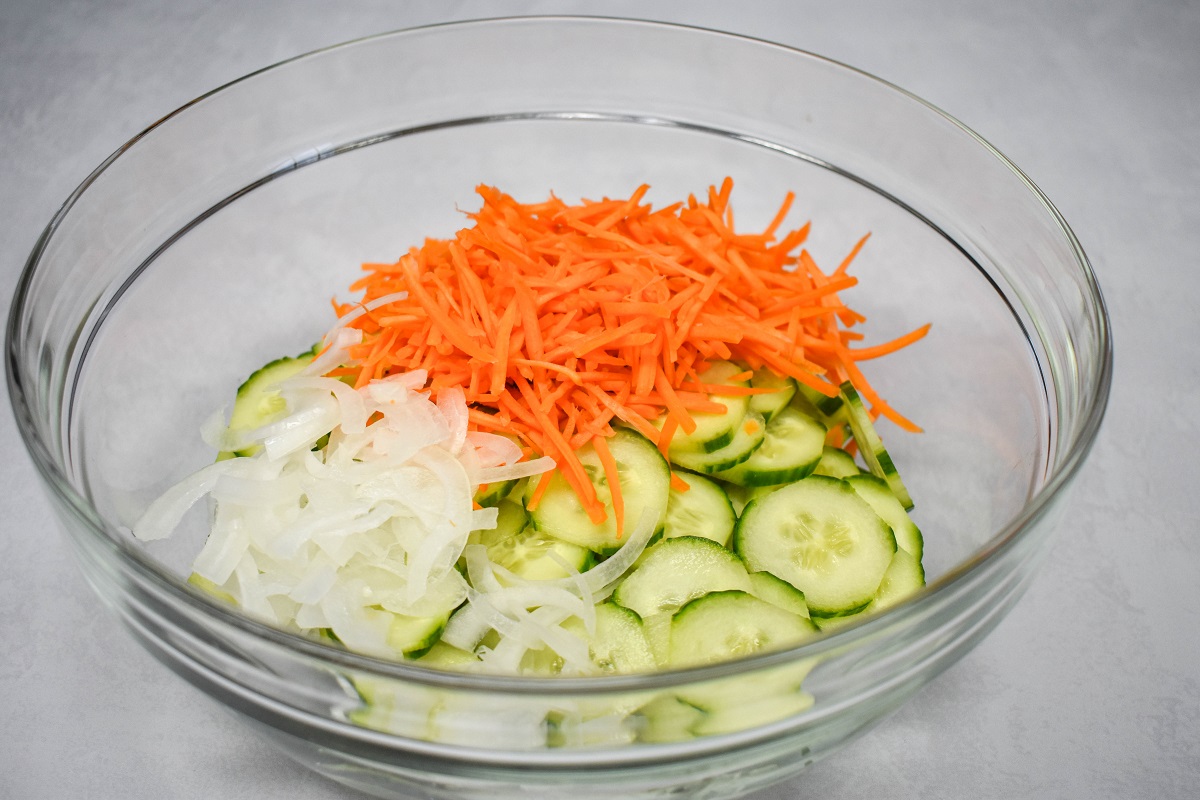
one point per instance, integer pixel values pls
(1094, 399)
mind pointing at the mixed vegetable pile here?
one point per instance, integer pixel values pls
(573, 439)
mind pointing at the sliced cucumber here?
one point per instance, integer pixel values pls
(543, 662)
(658, 633)
(537, 556)
(443, 656)
(412, 637)
(770, 404)
(666, 718)
(742, 496)
(871, 446)
(730, 704)
(258, 400)
(836, 463)
(645, 485)
(903, 578)
(395, 708)
(829, 407)
(790, 450)
(703, 510)
(511, 519)
(527, 552)
(714, 431)
(778, 592)
(720, 626)
(820, 536)
(619, 644)
(876, 492)
(676, 571)
(210, 588)
(491, 494)
(750, 434)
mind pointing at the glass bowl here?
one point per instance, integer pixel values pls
(212, 242)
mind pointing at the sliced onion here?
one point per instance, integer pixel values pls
(165, 513)
(315, 582)
(452, 402)
(493, 449)
(351, 406)
(300, 428)
(484, 519)
(523, 469)
(467, 627)
(225, 547)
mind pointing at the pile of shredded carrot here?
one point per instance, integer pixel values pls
(558, 320)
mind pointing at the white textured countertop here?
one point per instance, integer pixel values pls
(1089, 689)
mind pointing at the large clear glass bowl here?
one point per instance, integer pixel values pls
(211, 243)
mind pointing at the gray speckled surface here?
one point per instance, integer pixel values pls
(1089, 689)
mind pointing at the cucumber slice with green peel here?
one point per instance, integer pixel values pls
(759, 709)
(676, 571)
(725, 625)
(537, 556)
(543, 662)
(903, 578)
(666, 718)
(490, 494)
(258, 400)
(208, 587)
(412, 637)
(645, 480)
(820, 536)
(619, 645)
(876, 492)
(703, 510)
(511, 519)
(750, 434)
(742, 496)
(444, 656)
(770, 404)
(878, 461)
(831, 408)
(735, 704)
(778, 592)
(525, 551)
(713, 431)
(658, 633)
(836, 463)
(790, 450)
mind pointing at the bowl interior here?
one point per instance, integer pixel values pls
(250, 280)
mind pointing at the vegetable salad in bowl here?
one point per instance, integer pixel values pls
(592, 498)
(574, 439)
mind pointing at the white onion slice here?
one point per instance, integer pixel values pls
(339, 337)
(523, 469)
(164, 514)
(351, 406)
(494, 450)
(452, 402)
(300, 428)
(467, 627)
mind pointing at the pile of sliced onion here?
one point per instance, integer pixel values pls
(372, 524)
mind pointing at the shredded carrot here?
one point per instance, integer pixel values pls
(539, 490)
(614, 483)
(558, 321)
(678, 483)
